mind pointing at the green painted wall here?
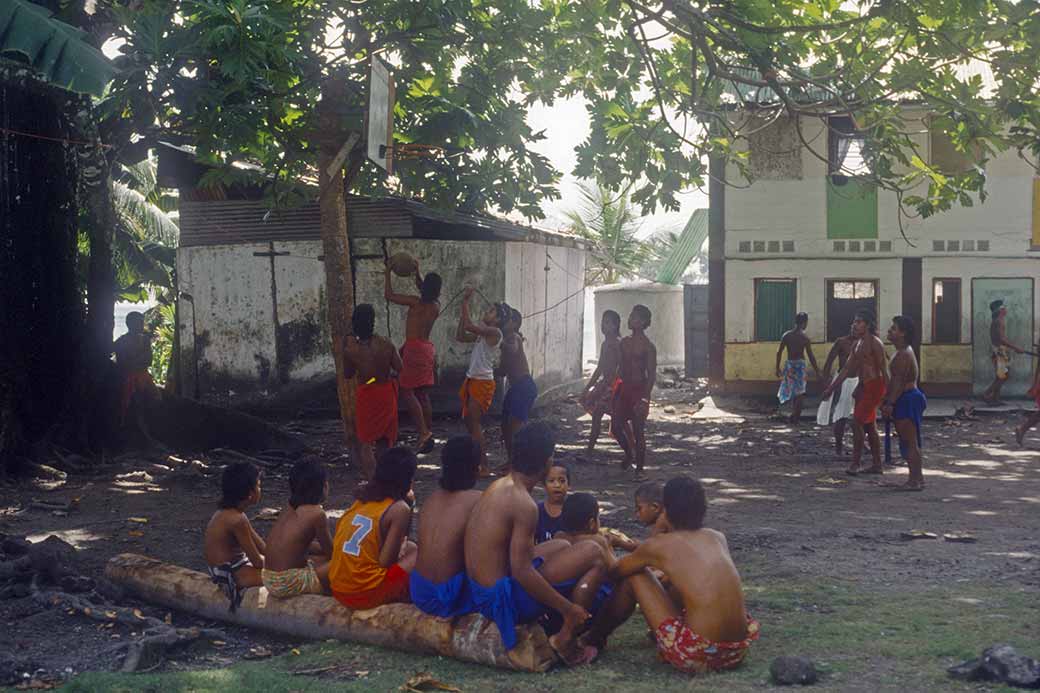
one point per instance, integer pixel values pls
(851, 209)
(775, 307)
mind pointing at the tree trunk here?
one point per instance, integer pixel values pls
(400, 626)
(339, 282)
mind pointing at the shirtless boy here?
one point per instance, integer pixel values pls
(512, 581)
(418, 355)
(478, 390)
(637, 369)
(649, 504)
(869, 363)
(904, 403)
(580, 521)
(299, 545)
(438, 583)
(599, 392)
(372, 359)
(793, 376)
(841, 402)
(706, 628)
(233, 550)
(522, 392)
(1001, 350)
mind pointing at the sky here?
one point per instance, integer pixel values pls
(566, 124)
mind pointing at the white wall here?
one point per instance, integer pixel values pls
(545, 283)
(811, 289)
(667, 327)
(966, 269)
(797, 209)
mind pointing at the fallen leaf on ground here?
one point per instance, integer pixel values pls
(135, 533)
(918, 534)
(258, 652)
(138, 614)
(218, 643)
(960, 537)
(36, 685)
(424, 681)
(295, 651)
(110, 614)
(139, 520)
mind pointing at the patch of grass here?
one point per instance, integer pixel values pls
(863, 639)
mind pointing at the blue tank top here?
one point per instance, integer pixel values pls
(547, 525)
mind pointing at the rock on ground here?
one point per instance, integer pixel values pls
(789, 671)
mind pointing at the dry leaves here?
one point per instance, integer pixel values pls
(424, 681)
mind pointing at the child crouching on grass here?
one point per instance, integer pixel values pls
(234, 551)
(372, 556)
(299, 545)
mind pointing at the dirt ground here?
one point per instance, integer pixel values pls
(794, 521)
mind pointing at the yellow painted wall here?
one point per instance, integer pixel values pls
(940, 363)
(946, 363)
(757, 360)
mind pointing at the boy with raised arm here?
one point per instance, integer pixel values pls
(418, 355)
(478, 390)
(234, 551)
(522, 392)
(512, 581)
(371, 556)
(438, 584)
(291, 566)
(705, 627)
(374, 360)
(793, 377)
(637, 370)
(598, 396)
(905, 403)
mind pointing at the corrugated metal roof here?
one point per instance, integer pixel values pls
(685, 249)
(223, 222)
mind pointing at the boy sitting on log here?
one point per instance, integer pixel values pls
(371, 556)
(438, 583)
(234, 551)
(290, 565)
(705, 627)
(513, 581)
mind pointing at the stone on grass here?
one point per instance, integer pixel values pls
(790, 671)
(1005, 664)
(970, 670)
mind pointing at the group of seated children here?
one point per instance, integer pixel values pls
(477, 553)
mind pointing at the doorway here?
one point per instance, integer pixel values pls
(1017, 295)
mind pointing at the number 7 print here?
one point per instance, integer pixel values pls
(363, 526)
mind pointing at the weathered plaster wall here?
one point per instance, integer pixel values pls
(545, 283)
(757, 360)
(667, 327)
(811, 288)
(242, 351)
(946, 363)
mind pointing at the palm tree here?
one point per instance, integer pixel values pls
(146, 232)
(609, 223)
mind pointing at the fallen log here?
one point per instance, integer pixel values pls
(470, 638)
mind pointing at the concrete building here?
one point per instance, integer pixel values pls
(802, 238)
(253, 316)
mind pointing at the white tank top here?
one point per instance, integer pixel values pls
(482, 360)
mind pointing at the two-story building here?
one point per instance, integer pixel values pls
(802, 237)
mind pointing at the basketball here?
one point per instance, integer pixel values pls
(403, 264)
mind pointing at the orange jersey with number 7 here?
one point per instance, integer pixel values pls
(355, 548)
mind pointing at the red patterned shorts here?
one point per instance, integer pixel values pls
(692, 654)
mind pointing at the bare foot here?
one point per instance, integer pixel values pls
(572, 653)
(425, 445)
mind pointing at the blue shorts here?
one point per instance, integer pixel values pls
(447, 599)
(910, 405)
(520, 399)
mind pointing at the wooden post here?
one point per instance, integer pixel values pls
(717, 273)
(469, 638)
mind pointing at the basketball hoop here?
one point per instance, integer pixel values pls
(379, 119)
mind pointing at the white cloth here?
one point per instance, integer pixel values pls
(482, 360)
(843, 409)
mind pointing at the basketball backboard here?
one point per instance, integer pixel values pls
(379, 120)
